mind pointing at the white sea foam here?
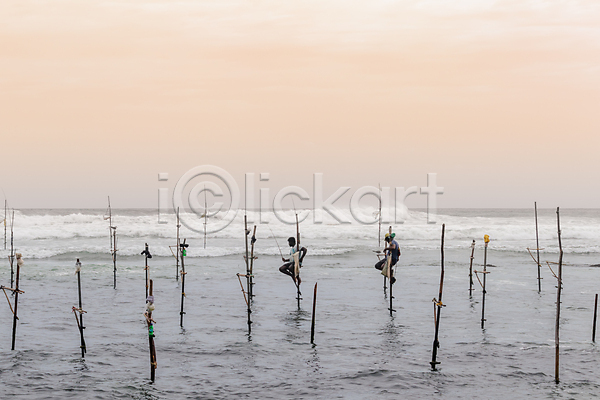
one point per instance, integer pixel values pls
(48, 233)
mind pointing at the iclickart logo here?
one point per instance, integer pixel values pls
(204, 183)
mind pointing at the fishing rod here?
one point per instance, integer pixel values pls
(275, 240)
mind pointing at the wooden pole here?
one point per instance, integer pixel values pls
(537, 247)
(486, 239)
(183, 248)
(177, 250)
(471, 269)
(389, 275)
(247, 256)
(11, 257)
(81, 326)
(251, 281)
(558, 292)
(298, 250)
(113, 244)
(147, 255)
(16, 292)
(595, 315)
(389, 263)
(314, 310)
(150, 321)
(438, 304)
(249, 311)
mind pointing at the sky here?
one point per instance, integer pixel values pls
(499, 98)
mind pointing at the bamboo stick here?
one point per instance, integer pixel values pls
(595, 315)
(314, 310)
(183, 248)
(471, 269)
(558, 293)
(80, 321)
(438, 303)
(486, 239)
(537, 247)
(16, 292)
(148, 314)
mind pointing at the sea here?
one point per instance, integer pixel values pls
(360, 351)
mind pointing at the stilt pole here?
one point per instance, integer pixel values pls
(113, 243)
(148, 314)
(471, 269)
(298, 298)
(183, 248)
(486, 239)
(251, 281)
(81, 326)
(389, 277)
(247, 256)
(314, 310)
(437, 307)
(595, 315)
(16, 292)
(537, 246)
(147, 255)
(558, 293)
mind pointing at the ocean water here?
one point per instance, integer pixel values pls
(360, 351)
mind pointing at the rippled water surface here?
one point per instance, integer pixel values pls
(360, 351)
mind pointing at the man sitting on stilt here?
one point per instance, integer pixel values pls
(393, 250)
(289, 267)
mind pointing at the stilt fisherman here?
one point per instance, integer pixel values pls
(291, 267)
(392, 250)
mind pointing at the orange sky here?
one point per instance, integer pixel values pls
(499, 98)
